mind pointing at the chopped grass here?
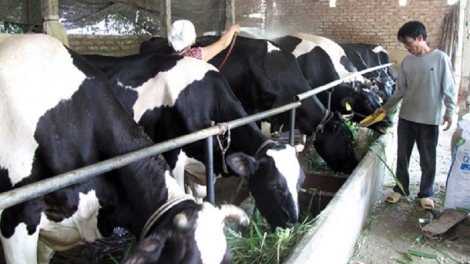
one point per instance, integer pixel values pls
(257, 244)
(444, 253)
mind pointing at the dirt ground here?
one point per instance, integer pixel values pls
(392, 230)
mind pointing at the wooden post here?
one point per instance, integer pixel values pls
(269, 16)
(465, 62)
(51, 25)
(165, 18)
(230, 13)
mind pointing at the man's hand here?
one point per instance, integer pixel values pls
(381, 110)
(447, 120)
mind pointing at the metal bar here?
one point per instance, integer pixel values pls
(327, 86)
(292, 127)
(34, 190)
(209, 171)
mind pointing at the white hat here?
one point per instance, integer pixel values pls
(182, 34)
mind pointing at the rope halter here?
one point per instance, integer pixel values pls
(223, 128)
(162, 210)
(326, 118)
(269, 141)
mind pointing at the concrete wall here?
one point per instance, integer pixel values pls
(334, 234)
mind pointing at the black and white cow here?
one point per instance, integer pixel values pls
(343, 66)
(172, 96)
(58, 113)
(365, 56)
(318, 69)
(264, 76)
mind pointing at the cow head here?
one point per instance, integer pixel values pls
(386, 87)
(275, 177)
(333, 142)
(188, 233)
(363, 102)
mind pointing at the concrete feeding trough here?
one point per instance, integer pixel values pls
(333, 235)
(342, 204)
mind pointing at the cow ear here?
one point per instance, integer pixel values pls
(242, 164)
(146, 251)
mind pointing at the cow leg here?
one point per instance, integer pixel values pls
(45, 253)
(21, 248)
(195, 178)
(198, 191)
(178, 171)
(266, 128)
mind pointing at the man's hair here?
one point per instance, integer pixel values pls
(412, 29)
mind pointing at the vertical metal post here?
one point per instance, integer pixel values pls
(292, 127)
(209, 169)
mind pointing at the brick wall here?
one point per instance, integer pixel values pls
(104, 44)
(356, 21)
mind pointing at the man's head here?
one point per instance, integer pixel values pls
(182, 34)
(412, 29)
(413, 35)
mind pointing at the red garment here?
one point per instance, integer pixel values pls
(194, 53)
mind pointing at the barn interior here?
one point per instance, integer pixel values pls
(118, 27)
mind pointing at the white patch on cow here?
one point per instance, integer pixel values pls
(366, 90)
(76, 230)
(334, 51)
(174, 190)
(36, 73)
(378, 49)
(304, 47)
(271, 47)
(209, 235)
(124, 86)
(287, 163)
(164, 88)
(21, 247)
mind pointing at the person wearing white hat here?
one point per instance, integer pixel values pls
(183, 35)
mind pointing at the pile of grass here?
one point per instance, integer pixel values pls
(257, 244)
(363, 139)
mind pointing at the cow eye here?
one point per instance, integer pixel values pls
(273, 185)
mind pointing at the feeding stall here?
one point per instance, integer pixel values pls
(334, 233)
(341, 203)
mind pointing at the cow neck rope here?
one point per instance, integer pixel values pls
(329, 97)
(162, 210)
(223, 129)
(326, 118)
(264, 145)
(230, 50)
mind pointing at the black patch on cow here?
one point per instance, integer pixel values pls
(5, 183)
(347, 64)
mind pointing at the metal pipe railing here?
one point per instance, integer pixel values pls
(327, 86)
(34, 190)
